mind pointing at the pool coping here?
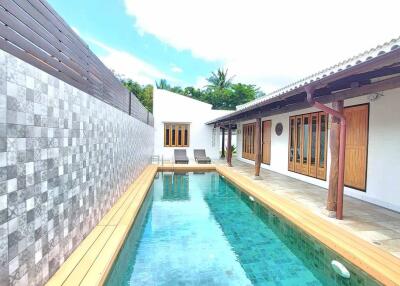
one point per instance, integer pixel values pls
(92, 260)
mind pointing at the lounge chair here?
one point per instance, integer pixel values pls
(201, 157)
(180, 156)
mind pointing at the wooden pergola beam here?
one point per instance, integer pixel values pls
(384, 64)
(301, 103)
(379, 86)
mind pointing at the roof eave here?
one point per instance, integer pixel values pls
(375, 63)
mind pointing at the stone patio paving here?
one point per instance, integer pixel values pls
(375, 224)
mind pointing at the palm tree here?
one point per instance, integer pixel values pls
(220, 80)
(163, 84)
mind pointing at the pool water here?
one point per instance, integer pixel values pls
(198, 229)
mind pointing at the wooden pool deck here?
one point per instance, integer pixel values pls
(91, 262)
(370, 222)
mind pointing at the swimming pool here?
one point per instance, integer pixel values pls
(198, 229)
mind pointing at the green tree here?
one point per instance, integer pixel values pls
(163, 84)
(143, 93)
(221, 92)
(220, 79)
(243, 93)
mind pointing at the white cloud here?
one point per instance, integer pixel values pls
(176, 69)
(128, 65)
(201, 82)
(75, 29)
(269, 43)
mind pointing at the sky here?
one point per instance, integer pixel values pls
(262, 42)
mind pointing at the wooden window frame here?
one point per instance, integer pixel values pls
(176, 127)
(301, 167)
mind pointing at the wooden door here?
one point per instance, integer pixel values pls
(356, 146)
(266, 142)
(248, 141)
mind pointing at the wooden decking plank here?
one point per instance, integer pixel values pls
(304, 214)
(103, 263)
(379, 264)
(81, 261)
(69, 265)
(89, 257)
(120, 203)
(131, 197)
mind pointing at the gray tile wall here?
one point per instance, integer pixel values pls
(65, 158)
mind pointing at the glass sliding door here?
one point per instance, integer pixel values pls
(308, 144)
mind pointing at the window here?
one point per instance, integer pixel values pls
(307, 144)
(176, 135)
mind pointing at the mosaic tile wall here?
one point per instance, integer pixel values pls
(65, 158)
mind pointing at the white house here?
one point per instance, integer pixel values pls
(180, 123)
(296, 129)
(378, 171)
(298, 137)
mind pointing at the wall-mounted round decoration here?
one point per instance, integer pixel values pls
(279, 129)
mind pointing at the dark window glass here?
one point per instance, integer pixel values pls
(173, 135)
(251, 140)
(291, 140)
(298, 139)
(180, 136)
(313, 138)
(186, 137)
(305, 140)
(167, 136)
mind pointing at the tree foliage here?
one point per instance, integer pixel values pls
(143, 92)
(220, 80)
(220, 92)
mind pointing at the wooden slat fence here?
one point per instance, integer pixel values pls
(32, 31)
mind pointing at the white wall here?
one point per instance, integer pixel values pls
(383, 168)
(172, 107)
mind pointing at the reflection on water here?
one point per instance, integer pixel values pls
(213, 234)
(175, 187)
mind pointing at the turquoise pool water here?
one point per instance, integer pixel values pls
(198, 229)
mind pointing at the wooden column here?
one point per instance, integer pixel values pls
(223, 144)
(229, 147)
(257, 148)
(334, 135)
